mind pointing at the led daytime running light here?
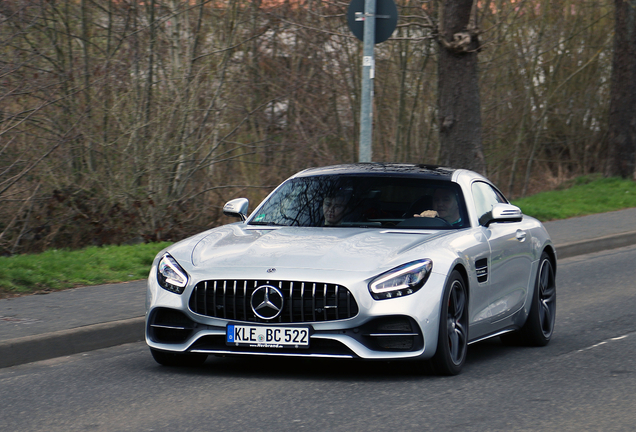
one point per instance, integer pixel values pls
(170, 274)
(401, 281)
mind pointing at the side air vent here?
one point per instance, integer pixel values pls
(481, 265)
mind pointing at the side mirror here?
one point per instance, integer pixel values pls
(502, 213)
(237, 208)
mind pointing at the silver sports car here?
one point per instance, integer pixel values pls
(371, 261)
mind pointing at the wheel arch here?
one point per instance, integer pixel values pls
(450, 353)
(549, 249)
(462, 271)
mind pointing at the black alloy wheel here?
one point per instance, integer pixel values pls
(539, 326)
(452, 343)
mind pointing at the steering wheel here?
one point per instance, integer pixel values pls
(442, 220)
(424, 222)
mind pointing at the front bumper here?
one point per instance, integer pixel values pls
(400, 328)
(384, 337)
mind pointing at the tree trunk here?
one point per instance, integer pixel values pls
(458, 88)
(622, 115)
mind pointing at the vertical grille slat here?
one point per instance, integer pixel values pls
(313, 302)
(324, 302)
(291, 302)
(337, 303)
(244, 300)
(214, 300)
(224, 299)
(280, 316)
(195, 294)
(303, 302)
(205, 298)
(234, 302)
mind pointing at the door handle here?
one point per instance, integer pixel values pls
(521, 235)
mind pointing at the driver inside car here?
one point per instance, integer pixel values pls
(444, 206)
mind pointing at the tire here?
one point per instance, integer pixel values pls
(538, 329)
(452, 343)
(171, 359)
(539, 326)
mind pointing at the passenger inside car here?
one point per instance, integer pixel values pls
(334, 207)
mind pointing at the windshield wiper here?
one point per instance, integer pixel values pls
(266, 223)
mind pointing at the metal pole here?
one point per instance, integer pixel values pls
(368, 72)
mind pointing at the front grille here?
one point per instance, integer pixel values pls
(302, 301)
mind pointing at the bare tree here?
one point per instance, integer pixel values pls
(622, 111)
(458, 87)
(139, 119)
(545, 70)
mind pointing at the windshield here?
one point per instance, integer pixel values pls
(364, 201)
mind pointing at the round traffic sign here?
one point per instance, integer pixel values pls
(386, 16)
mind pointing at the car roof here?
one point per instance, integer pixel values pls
(380, 168)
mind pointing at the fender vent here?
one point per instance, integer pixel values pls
(481, 266)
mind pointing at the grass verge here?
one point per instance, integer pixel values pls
(60, 269)
(583, 196)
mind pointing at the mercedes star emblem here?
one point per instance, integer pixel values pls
(267, 302)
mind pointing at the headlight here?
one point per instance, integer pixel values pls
(403, 280)
(170, 275)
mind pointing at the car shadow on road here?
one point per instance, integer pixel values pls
(303, 368)
(339, 369)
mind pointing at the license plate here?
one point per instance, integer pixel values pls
(267, 337)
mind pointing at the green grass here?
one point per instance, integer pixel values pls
(584, 196)
(60, 269)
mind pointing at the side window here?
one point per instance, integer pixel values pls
(485, 198)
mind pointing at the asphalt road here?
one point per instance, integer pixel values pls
(584, 380)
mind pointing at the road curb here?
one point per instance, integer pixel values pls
(599, 244)
(72, 341)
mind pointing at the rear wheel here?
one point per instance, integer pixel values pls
(166, 358)
(539, 326)
(452, 343)
(537, 330)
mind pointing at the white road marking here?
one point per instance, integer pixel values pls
(605, 342)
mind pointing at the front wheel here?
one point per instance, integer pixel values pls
(452, 343)
(166, 358)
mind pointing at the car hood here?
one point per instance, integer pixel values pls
(346, 249)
